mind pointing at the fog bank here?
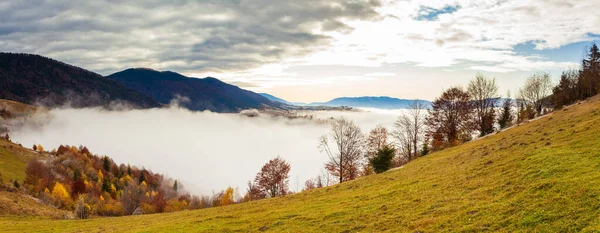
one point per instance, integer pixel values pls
(206, 151)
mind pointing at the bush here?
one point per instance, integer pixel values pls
(383, 159)
(82, 210)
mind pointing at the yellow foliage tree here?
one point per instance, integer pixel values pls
(40, 148)
(60, 194)
(100, 175)
(227, 198)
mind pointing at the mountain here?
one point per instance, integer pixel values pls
(539, 176)
(197, 93)
(382, 102)
(273, 98)
(31, 79)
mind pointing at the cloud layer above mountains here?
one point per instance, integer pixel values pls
(272, 45)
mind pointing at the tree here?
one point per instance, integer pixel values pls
(253, 193)
(82, 210)
(175, 186)
(376, 140)
(273, 177)
(537, 87)
(130, 197)
(60, 194)
(565, 92)
(403, 135)
(506, 116)
(589, 78)
(227, 198)
(383, 160)
(38, 175)
(450, 120)
(345, 162)
(106, 163)
(484, 93)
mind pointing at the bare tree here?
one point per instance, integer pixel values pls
(484, 93)
(403, 134)
(417, 113)
(410, 129)
(537, 87)
(346, 160)
(376, 140)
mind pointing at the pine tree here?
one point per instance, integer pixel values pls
(506, 116)
(76, 174)
(142, 177)
(106, 163)
(175, 186)
(383, 159)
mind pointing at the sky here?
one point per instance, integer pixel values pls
(305, 51)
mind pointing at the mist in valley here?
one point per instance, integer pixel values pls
(206, 151)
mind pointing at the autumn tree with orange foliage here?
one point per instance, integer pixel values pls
(227, 198)
(273, 177)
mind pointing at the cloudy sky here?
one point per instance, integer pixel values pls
(312, 50)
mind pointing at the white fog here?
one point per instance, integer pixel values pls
(206, 151)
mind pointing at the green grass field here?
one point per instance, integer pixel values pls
(540, 176)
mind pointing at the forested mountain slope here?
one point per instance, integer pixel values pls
(33, 79)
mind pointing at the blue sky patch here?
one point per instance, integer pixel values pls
(431, 14)
(573, 52)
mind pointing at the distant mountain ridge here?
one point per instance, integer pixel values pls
(273, 98)
(381, 102)
(201, 93)
(34, 79)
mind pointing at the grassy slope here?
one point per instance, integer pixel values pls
(540, 176)
(13, 160)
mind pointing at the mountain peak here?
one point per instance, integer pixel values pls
(204, 93)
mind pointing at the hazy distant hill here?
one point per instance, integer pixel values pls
(273, 98)
(382, 102)
(203, 93)
(30, 79)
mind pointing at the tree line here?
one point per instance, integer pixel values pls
(457, 116)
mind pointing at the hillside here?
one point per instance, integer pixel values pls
(538, 176)
(13, 160)
(203, 94)
(32, 79)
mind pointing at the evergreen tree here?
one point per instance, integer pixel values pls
(142, 177)
(589, 79)
(76, 174)
(106, 163)
(128, 169)
(175, 186)
(383, 159)
(425, 149)
(506, 116)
